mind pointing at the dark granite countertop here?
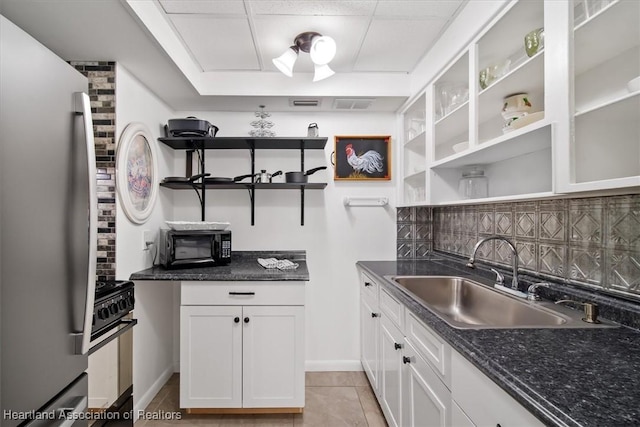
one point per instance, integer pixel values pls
(243, 267)
(565, 377)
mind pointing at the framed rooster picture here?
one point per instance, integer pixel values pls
(362, 158)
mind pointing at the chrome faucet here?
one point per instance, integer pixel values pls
(514, 258)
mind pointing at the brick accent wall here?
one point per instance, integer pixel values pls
(588, 241)
(102, 93)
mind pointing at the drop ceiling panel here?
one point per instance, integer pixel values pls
(199, 6)
(276, 33)
(418, 8)
(312, 7)
(218, 43)
(397, 45)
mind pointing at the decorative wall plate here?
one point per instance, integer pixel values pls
(137, 172)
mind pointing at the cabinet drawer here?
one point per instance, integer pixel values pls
(368, 287)
(391, 308)
(430, 346)
(242, 293)
(484, 402)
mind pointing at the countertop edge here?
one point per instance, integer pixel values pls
(243, 267)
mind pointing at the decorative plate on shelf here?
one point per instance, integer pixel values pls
(197, 225)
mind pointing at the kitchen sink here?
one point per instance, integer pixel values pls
(467, 304)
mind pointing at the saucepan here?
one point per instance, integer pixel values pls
(301, 177)
(262, 176)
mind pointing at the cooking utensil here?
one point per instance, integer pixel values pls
(263, 176)
(218, 180)
(190, 126)
(193, 178)
(312, 130)
(226, 180)
(301, 177)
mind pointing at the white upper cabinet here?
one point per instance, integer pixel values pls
(574, 126)
(414, 152)
(604, 151)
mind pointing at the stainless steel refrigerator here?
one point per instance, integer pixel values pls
(47, 234)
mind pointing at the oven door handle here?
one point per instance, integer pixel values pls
(128, 324)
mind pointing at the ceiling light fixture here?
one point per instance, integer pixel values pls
(322, 50)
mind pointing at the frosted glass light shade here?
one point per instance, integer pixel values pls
(323, 50)
(286, 61)
(322, 72)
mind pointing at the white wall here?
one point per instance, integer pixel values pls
(153, 336)
(466, 26)
(334, 237)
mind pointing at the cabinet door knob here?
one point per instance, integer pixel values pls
(375, 315)
(406, 359)
(236, 319)
(246, 320)
(397, 346)
(367, 284)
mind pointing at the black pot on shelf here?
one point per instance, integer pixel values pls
(301, 177)
(190, 126)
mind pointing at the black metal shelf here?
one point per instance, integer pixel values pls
(200, 144)
(245, 186)
(238, 143)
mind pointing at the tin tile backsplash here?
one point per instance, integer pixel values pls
(593, 241)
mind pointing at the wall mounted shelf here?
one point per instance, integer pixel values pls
(246, 186)
(237, 143)
(201, 144)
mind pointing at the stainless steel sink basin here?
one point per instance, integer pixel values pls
(466, 304)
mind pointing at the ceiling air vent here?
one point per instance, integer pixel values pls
(304, 102)
(352, 103)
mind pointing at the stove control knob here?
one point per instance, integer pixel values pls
(103, 313)
(122, 304)
(131, 300)
(113, 308)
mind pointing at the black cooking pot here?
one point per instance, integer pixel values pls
(301, 177)
(190, 126)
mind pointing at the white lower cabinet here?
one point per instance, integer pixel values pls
(241, 356)
(459, 418)
(426, 400)
(484, 403)
(391, 346)
(210, 357)
(419, 380)
(369, 329)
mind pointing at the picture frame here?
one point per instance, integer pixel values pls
(362, 158)
(137, 172)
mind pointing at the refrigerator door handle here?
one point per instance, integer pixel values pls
(82, 106)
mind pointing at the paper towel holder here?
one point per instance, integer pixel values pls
(365, 201)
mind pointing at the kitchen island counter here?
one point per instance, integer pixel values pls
(243, 267)
(565, 377)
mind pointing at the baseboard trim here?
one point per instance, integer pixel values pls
(143, 401)
(332, 365)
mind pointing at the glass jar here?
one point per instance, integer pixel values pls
(473, 184)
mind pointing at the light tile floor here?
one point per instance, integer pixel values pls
(333, 399)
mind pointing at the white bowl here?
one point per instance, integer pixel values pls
(197, 225)
(634, 85)
(461, 146)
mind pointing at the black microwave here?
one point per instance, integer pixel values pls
(194, 248)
